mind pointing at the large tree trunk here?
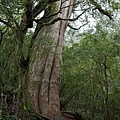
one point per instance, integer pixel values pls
(44, 69)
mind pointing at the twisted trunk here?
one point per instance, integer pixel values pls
(44, 69)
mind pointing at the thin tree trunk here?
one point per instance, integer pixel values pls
(44, 69)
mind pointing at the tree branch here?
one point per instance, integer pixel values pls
(72, 115)
(41, 6)
(57, 19)
(78, 27)
(29, 13)
(102, 11)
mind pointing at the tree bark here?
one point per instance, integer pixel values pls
(44, 68)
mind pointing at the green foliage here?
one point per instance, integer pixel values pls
(90, 76)
(115, 5)
(11, 85)
(90, 71)
(11, 10)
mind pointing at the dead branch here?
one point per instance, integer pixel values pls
(78, 27)
(72, 115)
